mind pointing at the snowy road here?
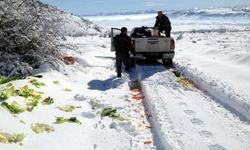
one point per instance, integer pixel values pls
(213, 52)
(186, 118)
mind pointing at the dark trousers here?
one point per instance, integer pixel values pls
(122, 58)
(167, 30)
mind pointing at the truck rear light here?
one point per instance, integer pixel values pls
(172, 46)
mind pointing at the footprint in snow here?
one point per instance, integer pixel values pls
(206, 135)
(95, 146)
(96, 104)
(89, 115)
(216, 147)
(180, 144)
(183, 104)
(197, 121)
(189, 112)
(79, 97)
(126, 126)
(177, 97)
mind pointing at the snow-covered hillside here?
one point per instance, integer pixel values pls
(68, 24)
(75, 26)
(215, 12)
(195, 19)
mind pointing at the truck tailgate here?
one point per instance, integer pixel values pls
(152, 44)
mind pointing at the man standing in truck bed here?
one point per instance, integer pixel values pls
(123, 45)
(163, 24)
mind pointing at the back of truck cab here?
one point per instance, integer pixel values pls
(152, 47)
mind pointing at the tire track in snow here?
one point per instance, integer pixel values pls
(169, 129)
(157, 137)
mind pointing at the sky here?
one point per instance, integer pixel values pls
(81, 7)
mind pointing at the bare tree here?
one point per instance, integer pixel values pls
(29, 33)
(27, 36)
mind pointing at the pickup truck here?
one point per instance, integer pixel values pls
(147, 46)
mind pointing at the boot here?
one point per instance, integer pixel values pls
(119, 74)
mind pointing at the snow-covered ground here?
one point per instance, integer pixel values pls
(94, 87)
(211, 115)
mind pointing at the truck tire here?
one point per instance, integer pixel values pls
(167, 62)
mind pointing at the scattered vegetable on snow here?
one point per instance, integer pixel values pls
(60, 120)
(40, 128)
(14, 108)
(48, 101)
(68, 90)
(23, 122)
(147, 142)
(26, 92)
(68, 108)
(136, 90)
(9, 79)
(7, 138)
(32, 102)
(183, 81)
(138, 97)
(56, 82)
(7, 92)
(110, 112)
(36, 83)
(32, 98)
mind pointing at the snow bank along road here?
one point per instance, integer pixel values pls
(219, 63)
